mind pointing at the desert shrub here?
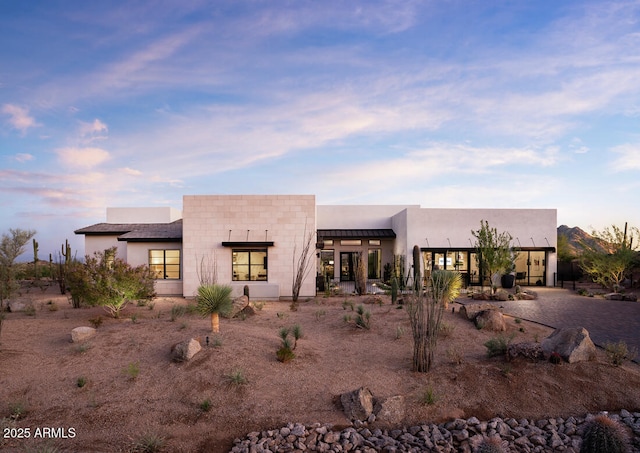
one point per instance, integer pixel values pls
(363, 318)
(17, 410)
(455, 354)
(236, 378)
(96, 322)
(132, 370)
(178, 311)
(148, 443)
(205, 405)
(498, 345)
(428, 397)
(81, 381)
(285, 352)
(618, 353)
(108, 281)
(348, 304)
(399, 332)
(602, 434)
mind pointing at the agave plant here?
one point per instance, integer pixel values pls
(214, 300)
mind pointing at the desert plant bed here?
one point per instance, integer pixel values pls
(115, 411)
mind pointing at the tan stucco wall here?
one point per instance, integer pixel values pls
(209, 220)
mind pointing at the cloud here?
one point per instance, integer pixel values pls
(83, 157)
(97, 127)
(628, 157)
(20, 118)
(131, 171)
(23, 157)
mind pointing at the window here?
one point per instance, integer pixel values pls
(374, 264)
(327, 264)
(351, 242)
(165, 264)
(249, 265)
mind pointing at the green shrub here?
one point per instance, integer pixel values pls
(602, 434)
(132, 370)
(363, 318)
(236, 378)
(96, 322)
(149, 443)
(178, 311)
(428, 397)
(81, 381)
(498, 345)
(618, 353)
(205, 406)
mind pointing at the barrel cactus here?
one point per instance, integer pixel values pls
(394, 290)
(603, 434)
(493, 444)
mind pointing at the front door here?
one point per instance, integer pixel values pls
(348, 266)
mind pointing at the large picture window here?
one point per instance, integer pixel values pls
(249, 265)
(165, 264)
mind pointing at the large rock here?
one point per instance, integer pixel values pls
(358, 404)
(491, 320)
(82, 333)
(470, 311)
(185, 350)
(391, 410)
(15, 306)
(530, 351)
(239, 304)
(572, 343)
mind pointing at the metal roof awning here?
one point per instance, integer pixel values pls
(247, 244)
(372, 233)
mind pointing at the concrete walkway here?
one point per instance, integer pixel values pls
(606, 320)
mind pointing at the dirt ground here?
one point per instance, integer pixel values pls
(197, 406)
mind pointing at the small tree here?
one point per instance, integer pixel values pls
(425, 309)
(12, 245)
(214, 300)
(493, 251)
(110, 282)
(302, 263)
(609, 267)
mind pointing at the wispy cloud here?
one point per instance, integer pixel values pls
(82, 157)
(23, 157)
(19, 117)
(628, 157)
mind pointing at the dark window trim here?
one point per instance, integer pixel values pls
(164, 262)
(247, 244)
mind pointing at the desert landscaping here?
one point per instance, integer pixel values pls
(120, 390)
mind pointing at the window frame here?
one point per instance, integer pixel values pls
(165, 275)
(235, 276)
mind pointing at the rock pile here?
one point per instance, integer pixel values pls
(553, 434)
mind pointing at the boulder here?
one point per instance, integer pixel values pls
(239, 304)
(185, 350)
(470, 311)
(572, 343)
(358, 404)
(491, 320)
(391, 410)
(82, 333)
(527, 350)
(18, 305)
(614, 296)
(501, 295)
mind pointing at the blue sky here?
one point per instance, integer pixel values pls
(437, 103)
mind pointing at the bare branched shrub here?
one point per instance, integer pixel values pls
(207, 270)
(302, 262)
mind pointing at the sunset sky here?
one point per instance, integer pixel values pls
(479, 104)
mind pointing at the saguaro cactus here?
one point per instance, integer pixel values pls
(417, 284)
(35, 259)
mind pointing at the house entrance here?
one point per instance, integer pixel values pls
(348, 262)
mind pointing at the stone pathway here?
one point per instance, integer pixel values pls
(606, 320)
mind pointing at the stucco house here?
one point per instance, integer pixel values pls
(253, 239)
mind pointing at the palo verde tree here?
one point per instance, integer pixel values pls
(425, 309)
(214, 300)
(110, 282)
(12, 245)
(493, 251)
(610, 258)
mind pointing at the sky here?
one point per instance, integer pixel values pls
(454, 104)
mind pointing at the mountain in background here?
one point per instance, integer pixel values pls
(575, 236)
